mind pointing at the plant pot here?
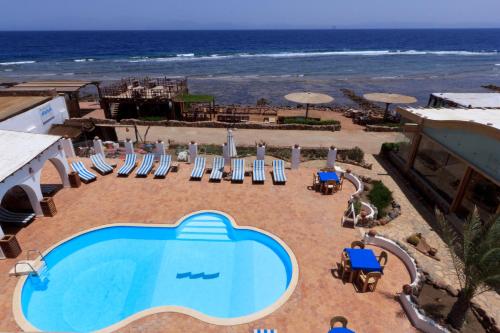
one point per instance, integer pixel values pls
(372, 233)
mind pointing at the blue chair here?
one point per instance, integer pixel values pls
(279, 172)
(217, 169)
(164, 166)
(100, 164)
(85, 175)
(259, 171)
(199, 168)
(128, 166)
(238, 173)
(146, 165)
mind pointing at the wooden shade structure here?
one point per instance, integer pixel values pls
(389, 99)
(308, 98)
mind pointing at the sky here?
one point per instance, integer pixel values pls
(249, 14)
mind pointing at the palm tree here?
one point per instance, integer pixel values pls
(476, 258)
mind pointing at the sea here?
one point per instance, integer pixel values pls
(241, 66)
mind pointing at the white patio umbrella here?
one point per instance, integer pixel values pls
(308, 98)
(389, 99)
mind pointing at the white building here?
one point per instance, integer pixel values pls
(32, 114)
(464, 100)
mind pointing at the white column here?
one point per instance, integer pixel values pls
(159, 148)
(129, 146)
(98, 147)
(192, 151)
(261, 152)
(225, 153)
(2, 255)
(332, 156)
(68, 148)
(295, 157)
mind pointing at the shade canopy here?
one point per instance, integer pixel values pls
(390, 98)
(309, 98)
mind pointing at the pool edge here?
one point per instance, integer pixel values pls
(25, 325)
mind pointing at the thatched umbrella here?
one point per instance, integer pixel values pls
(389, 99)
(309, 98)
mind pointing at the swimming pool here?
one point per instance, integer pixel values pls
(205, 266)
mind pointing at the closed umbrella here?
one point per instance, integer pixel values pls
(308, 98)
(230, 144)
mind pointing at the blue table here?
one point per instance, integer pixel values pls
(328, 175)
(363, 259)
(340, 330)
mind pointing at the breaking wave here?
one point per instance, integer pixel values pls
(17, 63)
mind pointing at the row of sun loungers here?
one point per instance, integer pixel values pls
(217, 172)
(6, 216)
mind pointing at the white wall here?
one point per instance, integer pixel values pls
(39, 119)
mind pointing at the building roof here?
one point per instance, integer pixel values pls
(486, 117)
(67, 86)
(475, 100)
(19, 148)
(11, 106)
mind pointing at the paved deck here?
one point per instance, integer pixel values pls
(307, 221)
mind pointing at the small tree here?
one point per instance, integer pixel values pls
(262, 102)
(476, 258)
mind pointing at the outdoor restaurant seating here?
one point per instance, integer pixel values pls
(335, 328)
(382, 258)
(146, 165)
(85, 175)
(368, 280)
(100, 164)
(199, 168)
(164, 166)
(357, 244)
(362, 262)
(217, 169)
(279, 172)
(345, 266)
(327, 182)
(128, 166)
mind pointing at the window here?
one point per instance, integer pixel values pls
(441, 170)
(404, 141)
(483, 194)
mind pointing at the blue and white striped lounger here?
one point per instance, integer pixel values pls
(259, 171)
(100, 164)
(217, 169)
(6, 216)
(199, 168)
(265, 330)
(164, 166)
(146, 165)
(238, 170)
(130, 163)
(279, 172)
(85, 175)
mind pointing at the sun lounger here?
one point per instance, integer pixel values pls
(199, 168)
(85, 175)
(146, 165)
(100, 164)
(238, 170)
(164, 166)
(130, 163)
(6, 216)
(217, 169)
(265, 330)
(259, 171)
(279, 172)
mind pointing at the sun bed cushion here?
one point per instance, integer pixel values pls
(238, 170)
(84, 174)
(258, 171)
(146, 165)
(199, 168)
(279, 171)
(128, 166)
(14, 217)
(100, 164)
(217, 168)
(164, 166)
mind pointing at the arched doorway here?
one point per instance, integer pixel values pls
(53, 177)
(20, 200)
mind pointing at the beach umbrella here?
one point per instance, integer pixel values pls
(308, 98)
(389, 99)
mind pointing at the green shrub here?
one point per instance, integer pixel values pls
(357, 206)
(304, 121)
(413, 240)
(380, 196)
(355, 154)
(389, 146)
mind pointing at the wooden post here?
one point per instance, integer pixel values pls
(461, 190)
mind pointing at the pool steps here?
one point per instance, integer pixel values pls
(204, 228)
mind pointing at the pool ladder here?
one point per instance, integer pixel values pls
(27, 267)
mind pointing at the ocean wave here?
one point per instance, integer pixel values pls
(84, 60)
(17, 63)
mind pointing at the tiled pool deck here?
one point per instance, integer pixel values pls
(308, 222)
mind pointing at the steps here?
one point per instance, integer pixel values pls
(203, 227)
(114, 108)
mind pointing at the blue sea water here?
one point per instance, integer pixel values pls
(204, 264)
(241, 66)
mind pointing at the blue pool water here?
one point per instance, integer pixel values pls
(104, 276)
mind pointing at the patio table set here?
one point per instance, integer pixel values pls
(327, 182)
